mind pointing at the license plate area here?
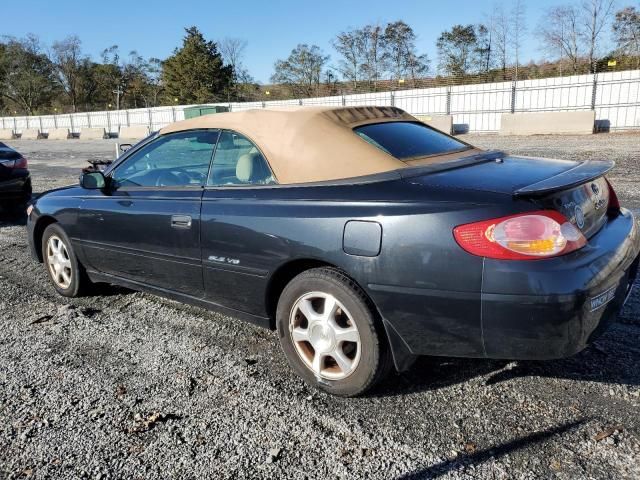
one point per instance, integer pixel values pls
(602, 299)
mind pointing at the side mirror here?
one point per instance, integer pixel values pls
(93, 180)
(125, 146)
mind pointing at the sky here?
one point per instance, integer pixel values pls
(272, 28)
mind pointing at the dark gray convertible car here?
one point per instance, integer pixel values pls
(365, 237)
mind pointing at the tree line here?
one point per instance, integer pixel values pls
(572, 37)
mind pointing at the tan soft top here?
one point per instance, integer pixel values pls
(312, 144)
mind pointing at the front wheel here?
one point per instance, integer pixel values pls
(330, 334)
(65, 272)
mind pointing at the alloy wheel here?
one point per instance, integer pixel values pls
(59, 262)
(325, 336)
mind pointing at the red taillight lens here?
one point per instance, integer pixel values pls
(17, 163)
(20, 163)
(526, 236)
(614, 203)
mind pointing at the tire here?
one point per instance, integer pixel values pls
(323, 348)
(74, 281)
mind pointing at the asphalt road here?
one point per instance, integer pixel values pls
(128, 385)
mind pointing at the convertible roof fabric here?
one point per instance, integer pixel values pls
(313, 144)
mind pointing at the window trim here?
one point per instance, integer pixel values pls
(466, 146)
(240, 185)
(131, 188)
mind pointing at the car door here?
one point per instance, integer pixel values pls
(146, 226)
(235, 254)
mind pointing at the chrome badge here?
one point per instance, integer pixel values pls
(579, 216)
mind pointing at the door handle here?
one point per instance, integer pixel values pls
(180, 221)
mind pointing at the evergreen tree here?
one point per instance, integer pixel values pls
(195, 73)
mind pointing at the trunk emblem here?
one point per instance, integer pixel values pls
(579, 216)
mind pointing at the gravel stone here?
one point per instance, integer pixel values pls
(129, 385)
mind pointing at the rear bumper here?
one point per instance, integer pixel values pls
(17, 186)
(554, 308)
(540, 309)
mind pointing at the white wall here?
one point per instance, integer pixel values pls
(475, 108)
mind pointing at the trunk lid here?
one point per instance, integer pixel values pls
(578, 190)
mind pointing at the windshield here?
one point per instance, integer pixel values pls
(406, 140)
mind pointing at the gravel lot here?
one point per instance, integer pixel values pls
(128, 385)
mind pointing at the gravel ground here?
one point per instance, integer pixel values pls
(128, 385)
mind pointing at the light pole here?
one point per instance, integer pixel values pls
(118, 91)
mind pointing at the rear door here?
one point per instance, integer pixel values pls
(146, 228)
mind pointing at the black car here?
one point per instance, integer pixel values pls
(15, 180)
(365, 237)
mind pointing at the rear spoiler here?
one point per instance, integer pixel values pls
(581, 173)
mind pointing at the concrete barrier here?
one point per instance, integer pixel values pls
(93, 133)
(548, 123)
(6, 133)
(137, 132)
(444, 123)
(30, 134)
(59, 133)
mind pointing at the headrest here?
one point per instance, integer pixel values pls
(245, 166)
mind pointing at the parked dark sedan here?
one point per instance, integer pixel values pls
(15, 179)
(362, 235)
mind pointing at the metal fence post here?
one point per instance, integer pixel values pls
(594, 90)
(71, 123)
(392, 98)
(88, 120)
(448, 101)
(513, 96)
(344, 100)
(15, 124)
(55, 121)
(40, 122)
(150, 119)
(108, 123)
(3, 123)
(173, 113)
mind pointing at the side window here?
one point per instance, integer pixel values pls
(175, 160)
(237, 161)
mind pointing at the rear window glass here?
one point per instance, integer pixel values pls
(405, 140)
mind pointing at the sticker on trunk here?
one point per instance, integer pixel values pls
(601, 300)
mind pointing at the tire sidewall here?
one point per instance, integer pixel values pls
(361, 314)
(74, 287)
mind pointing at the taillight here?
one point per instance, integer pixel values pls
(20, 163)
(17, 163)
(614, 203)
(526, 236)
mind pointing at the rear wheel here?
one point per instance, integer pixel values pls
(66, 273)
(330, 334)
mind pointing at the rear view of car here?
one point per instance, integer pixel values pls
(15, 180)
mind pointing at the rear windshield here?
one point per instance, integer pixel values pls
(405, 140)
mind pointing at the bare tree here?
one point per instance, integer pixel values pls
(374, 66)
(626, 30)
(518, 30)
(400, 52)
(596, 15)
(501, 36)
(561, 31)
(69, 61)
(350, 45)
(301, 70)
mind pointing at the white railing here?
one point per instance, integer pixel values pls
(614, 96)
